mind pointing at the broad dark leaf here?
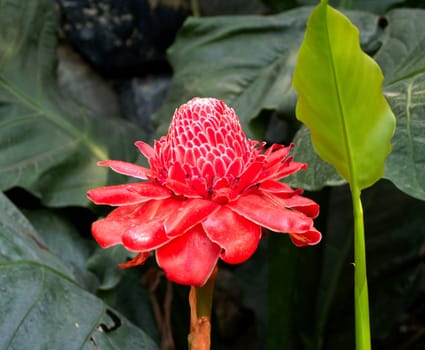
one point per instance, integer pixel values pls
(319, 173)
(246, 61)
(104, 263)
(402, 59)
(42, 304)
(46, 310)
(63, 240)
(340, 99)
(49, 144)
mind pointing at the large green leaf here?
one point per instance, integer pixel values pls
(243, 60)
(43, 306)
(19, 240)
(246, 60)
(63, 240)
(402, 54)
(340, 98)
(402, 58)
(47, 311)
(49, 144)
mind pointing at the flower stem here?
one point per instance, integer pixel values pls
(200, 301)
(361, 298)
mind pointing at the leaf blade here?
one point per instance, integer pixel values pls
(338, 87)
(402, 60)
(42, 300)
(245, 61)
(49, 143)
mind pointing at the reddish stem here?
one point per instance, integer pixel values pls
(200, 301)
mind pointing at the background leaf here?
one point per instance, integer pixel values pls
(21, 242)
(48, 249)
(104, 263)
(319, 173)
(402, 58)
(45, 310)
(246, 60)
(340, 98)
(49, 144)
(44, 304)
(63, 240)
(231, 59)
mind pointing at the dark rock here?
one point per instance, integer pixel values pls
(79, 81)
(122, 37)
(140, 98)
(234, 7)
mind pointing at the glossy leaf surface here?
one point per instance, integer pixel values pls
(402, 58)
(340, 98)
(247, 61)
(43, 305)
(49, 144)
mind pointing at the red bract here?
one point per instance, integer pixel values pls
(209, 190)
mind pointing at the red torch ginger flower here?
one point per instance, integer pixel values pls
(209, 190)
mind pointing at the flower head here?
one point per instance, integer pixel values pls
(207, 194)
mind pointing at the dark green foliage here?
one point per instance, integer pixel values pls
(60, 290)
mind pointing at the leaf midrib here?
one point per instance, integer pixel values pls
(352, 180)
(47, 269)
(35, 301)
(54, 118)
